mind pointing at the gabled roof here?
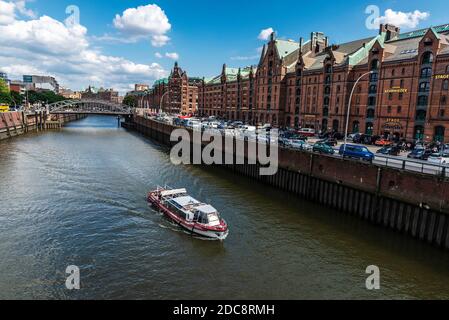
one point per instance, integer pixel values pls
(286, 47)
(420, 33)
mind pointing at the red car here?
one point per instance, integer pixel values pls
(383, 143)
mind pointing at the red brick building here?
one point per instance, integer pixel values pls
(177, 94)
(309, 83)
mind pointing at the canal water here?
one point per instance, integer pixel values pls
(77, 197)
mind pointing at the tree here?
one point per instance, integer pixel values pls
(130, 101)
(5, 94)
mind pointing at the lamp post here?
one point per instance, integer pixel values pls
(162, 100)
(349, 108)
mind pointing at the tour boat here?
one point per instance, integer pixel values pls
(196, 217)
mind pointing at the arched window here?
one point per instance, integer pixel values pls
(419, 132)
(355, 127)
(445, 85)
(439, 134)
(375, 64)
(427, 57)
(325, 112)
(324, 125)
(426, 73)
(423, 100)
(369, 128)
(424, 87)
(335, 125)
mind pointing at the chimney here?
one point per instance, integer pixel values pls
(301, 43)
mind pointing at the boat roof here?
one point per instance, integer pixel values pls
(185, 201)
(207, 209)
(167, 193)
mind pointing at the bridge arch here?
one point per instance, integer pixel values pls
(84, 106)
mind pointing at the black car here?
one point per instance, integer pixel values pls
(421, 154)
(329, 141)
(390, 151)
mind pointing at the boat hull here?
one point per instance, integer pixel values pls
(191, 227)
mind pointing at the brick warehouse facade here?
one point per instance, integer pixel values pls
(308, 84)
(177, 94)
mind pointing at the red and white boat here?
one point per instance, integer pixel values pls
(196, 217)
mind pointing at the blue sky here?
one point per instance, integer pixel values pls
(203, 33)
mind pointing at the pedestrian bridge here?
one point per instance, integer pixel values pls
(98, 107)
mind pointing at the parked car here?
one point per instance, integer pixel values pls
(439, 158)
(390, 151)
(307, 132)
(357, 152)
(323, 148)
(420, 154)
(330, 142)
(365, 139)
(300, 144)
(383, 143)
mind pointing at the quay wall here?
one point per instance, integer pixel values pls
(411, 203)
(16, 123)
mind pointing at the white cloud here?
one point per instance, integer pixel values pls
(7, 12)
(265, 34)
(158, 55)
(172, 55)
(148, 21)
(402, 19)
(159, 40)
(48, 46)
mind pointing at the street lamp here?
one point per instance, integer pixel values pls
(349, 108)
(162, 99)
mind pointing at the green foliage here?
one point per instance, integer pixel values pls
(130, 101)
(5, 95)
(3, 87)
(44, 97)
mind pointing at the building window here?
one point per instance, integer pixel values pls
(445, 85)
(424, 87)
(392, 72)
(372, 101)
(442, 113)
(403, 71)
(375, 64)
(390, 96)
(370, 114)
(399, 109)
(389, 109)
(401, 96)
(392, 83)
(423, 100)
(439, 134)
(426, 73)
(443, 100)
(402, 83)
(427, 58)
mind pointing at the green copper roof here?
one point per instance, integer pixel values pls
(286, 47)
(422, 32)
(160, 81)
(363, 52)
